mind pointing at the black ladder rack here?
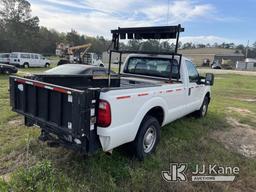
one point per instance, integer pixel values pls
(140, 33)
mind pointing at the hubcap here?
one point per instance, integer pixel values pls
(149, 139)
(204, 109)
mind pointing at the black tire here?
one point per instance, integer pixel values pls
(26, 65)
(47, 65)
(202, 112)
(151, 127)
(101, 65)
(7, 72)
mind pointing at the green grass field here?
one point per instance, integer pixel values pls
(29, 165)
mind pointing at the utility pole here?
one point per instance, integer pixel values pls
(246, 50)
(246, 54)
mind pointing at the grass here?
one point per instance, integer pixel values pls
(29, 165)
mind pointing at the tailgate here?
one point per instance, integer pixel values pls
(66, 112)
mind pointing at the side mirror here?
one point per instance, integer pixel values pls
(209, 79)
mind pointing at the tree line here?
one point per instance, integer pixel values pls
(20, 31)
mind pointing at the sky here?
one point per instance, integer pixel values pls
(205, 21)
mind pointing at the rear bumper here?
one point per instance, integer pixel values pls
(111, 138)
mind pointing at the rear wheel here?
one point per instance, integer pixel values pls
(202, 112)
(147, 138)
(26, 65)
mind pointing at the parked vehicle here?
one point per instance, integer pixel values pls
(4, 58)
(86, 113)
(26, 60)
(70, 69)
(216, 65)
(8, 69)
(77, 54)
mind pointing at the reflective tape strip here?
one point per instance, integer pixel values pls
(48, 87)
(41, 85)
(60, 90)
(169, 91)
(20, 81)
(28, 82)
(143, 94)
(123, 97)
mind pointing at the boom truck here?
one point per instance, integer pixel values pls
(77, 54)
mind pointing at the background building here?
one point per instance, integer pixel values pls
(197, 55)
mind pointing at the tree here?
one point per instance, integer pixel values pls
(73, 38)
(187, 45)
(19, 28)
(133, 45)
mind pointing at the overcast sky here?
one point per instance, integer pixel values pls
(205, 21)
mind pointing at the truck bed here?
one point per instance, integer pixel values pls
(66, 106)
(83, 82)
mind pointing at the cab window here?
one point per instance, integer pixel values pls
(158, 67)
(192, 72)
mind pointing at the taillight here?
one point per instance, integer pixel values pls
(104, 114)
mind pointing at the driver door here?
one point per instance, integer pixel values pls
(194, 89)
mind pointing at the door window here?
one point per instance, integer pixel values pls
(25, 56)
(192, 72)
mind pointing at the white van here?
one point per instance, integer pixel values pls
(4, 58)
(28, 60)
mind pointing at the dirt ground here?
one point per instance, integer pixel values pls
(241, 137)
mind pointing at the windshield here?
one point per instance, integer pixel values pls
(158, 67)
(4, 55)
(67, 70)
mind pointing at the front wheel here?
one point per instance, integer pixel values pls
(202, 112)
(47, 65)
(147, 138)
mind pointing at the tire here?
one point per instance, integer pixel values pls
(7, 72)
(47, 65)
(202, 112)
(26, 65)
(147, 138)
(101, 65)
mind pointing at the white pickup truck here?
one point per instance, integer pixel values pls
(89, 112)
(136, 114)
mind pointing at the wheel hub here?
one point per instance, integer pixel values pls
(149, 139)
